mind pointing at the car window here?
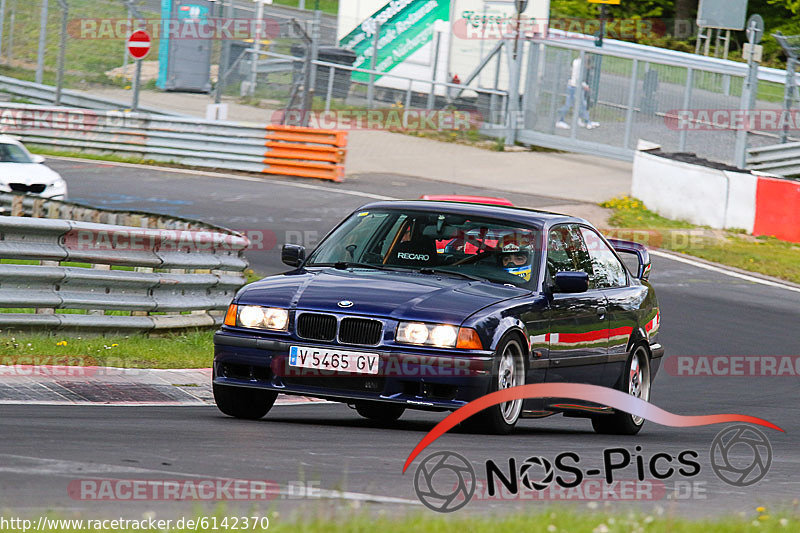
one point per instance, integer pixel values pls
(566, 251)
(11, 153)
(477, 248)
(358, 234)
(608, 270)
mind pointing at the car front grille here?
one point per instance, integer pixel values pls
(316, 327)
(360, 331)
(351, 330)
(35, 188)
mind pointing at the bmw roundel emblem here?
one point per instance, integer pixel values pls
(345, 303)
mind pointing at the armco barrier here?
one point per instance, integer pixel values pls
(44, 94)
(112, 277)
(267, 149)
(778, 159)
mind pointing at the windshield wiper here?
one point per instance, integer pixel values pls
(440, 271)
(343, 265)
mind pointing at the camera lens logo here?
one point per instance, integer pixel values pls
(741, 455)
(525, 473)
(445, 482)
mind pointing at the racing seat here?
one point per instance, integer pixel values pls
(419, 251)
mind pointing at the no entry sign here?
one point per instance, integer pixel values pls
(138, 44)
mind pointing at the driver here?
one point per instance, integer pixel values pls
(515, 256)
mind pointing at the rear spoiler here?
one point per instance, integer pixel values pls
(639, 250)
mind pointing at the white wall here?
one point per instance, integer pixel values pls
(700, 195)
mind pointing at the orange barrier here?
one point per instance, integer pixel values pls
(305, 152)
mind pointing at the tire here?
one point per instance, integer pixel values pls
(242, 402)
(635, 381)
(380, 411)
(509, 371)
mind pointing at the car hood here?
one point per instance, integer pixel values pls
(399, 295)
(27, 173)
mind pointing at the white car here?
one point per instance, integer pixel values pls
(22, 171)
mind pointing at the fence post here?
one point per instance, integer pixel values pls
(62, 50)
(372, 64)
(42, 42)
(749, 90)
(687, 101)
(788, 96)
(631, 103)
(331, 74)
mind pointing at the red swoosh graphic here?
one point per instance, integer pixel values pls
(575, 391)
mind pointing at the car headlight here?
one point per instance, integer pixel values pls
(254, 316)
(441, 335)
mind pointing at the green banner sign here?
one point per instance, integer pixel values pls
(405, 27)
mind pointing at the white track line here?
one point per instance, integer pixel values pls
(226, 175)
(65, 468)
(725, 271)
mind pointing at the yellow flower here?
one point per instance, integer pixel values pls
(61, 343)
(764, 517)
(761, 509)
(114, 345)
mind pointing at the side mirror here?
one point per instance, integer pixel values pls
(36, 158)
(572, 282)
(293, 255)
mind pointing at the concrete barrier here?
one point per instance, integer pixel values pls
(706, 196)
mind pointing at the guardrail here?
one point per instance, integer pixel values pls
(779, 159)
(267, 149)
(46, 94)
(103, 278)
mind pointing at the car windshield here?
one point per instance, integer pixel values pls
(11, 153)
(435, 243)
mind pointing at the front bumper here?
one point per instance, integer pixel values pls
(421, 379)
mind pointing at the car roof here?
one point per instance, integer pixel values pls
(507, 213)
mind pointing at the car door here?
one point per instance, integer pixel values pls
(578, 337)
(622, 301)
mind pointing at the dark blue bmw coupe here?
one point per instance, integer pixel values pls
(430, 305)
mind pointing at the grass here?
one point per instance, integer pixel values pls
(86, 60)
(546, 521)
(763, 255)
(192, 349)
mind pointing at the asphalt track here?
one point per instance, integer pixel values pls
(704, 312)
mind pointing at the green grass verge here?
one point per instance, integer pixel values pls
(192, 349)
(764, 255)
(554, 521)
(86, 59)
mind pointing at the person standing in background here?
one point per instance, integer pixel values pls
(575, 81)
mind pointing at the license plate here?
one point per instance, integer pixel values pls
(325, 359)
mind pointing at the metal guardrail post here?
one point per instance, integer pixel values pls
(631, 104)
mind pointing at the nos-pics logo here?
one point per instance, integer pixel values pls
(740, 456)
